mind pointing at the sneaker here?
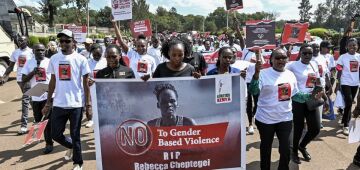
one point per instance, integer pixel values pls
(48, 149)
(68, 154)
(77, 167)
(346, 130)
(305, 154)
(251, 130)
(23, 130)
(89, 124)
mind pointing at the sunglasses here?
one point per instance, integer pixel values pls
(307, 53)
(65, 41)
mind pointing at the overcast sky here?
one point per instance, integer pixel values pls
(287, 9)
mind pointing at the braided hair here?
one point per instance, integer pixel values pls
(161, 87)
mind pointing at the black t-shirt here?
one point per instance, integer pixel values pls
(197, 60)
(343, 42)
(121, 72)
(163, 71)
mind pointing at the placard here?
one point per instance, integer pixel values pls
(121, 9)
(260, 34)
(234, 4)
(294, 33)
(141, 27)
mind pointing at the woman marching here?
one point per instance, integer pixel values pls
(308, 78)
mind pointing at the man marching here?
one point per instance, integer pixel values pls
(35, 71)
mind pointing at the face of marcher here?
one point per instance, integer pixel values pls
(190, 41)
(97, 54)
(107, 41)
(155, 42)
(316, 49)
(141, 46)
(87, 46)
(23, 42)
(52, 47)
(207, 45)
(352, 47)
(66, 43)
(112, 57)
(226, 57)
(279, 60)
(39, 51)
(306, 55)
(167, 103)
(176, 54)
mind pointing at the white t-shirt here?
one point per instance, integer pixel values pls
(323, 69)
(69, 70)
(330, 61)
(43, 76)
(276, 90)
(237, 47)
(85, 53)
(141, 64)
(20, 57)
(95, 66)
(250, 72)
(156, 53)
(350, 71)
(306, 75)
(249, 56)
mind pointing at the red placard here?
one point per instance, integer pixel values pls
(141, 27)
(35, 133)
(294, 33)
(75, 29)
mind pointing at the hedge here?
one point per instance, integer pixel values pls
(33, 40)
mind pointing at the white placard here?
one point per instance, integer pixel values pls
(121, 9)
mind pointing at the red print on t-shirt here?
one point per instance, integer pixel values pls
(22, 60)
(354, 66)
(311, 80)
(40, 75)
(94, 73)
(321, 70)
(64, 72)
(284, 92)
(142, 67)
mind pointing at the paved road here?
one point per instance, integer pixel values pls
(330, 151)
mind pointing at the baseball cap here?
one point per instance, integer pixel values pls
(89, 41)
(326, 44)
(65, 32)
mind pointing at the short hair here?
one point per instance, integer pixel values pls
(141, 37)
(273, 54)
(221, 50)
(305, 45)
(161, 87)
(351, 40)
(94, 47)
(118, 49)
(165, 48)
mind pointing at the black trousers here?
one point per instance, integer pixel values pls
(37, 107)
(349, 93)
(300, 114)
(267, 131)
(250, 110)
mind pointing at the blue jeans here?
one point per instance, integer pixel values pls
(25, 101)
(59, 117)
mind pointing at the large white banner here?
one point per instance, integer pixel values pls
(172, 123)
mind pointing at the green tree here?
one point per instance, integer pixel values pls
(140, 10)
(103, 17)
(305, 13)
(49, 9)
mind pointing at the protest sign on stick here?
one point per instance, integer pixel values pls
(141, 27)
(260, 34)
(79, 32)
(294, 33)
(234, 4)
(121, 9)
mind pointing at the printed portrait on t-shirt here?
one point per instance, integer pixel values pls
(284, 92)
(40, 75)
(22, 60)
(64, 70)
(142, 67)
(94, 73)
(321, 70)
(354, 66)
(311, 80)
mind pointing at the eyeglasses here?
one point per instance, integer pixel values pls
(307, 53)
(65, 41)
